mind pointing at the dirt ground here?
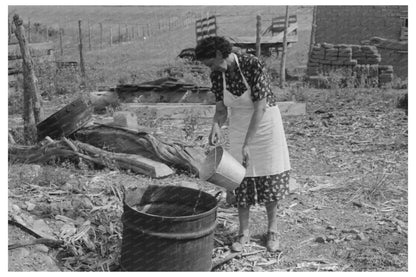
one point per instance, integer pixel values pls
(348, 209)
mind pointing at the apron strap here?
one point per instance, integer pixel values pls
(241, 72)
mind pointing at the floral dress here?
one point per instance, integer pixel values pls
(260, 189)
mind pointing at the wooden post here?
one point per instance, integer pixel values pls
(144, 32)
(89, 35)
(313, 31)
(127, 33)
(10, 31)
(111, 36)
(132, 32)
(101, 35)
(138, 35)
(119, 33)
(33, 110)
(28, 31)
(283, 62)
(258, 36)
(81, 56)
(46, 34)
(148, 30)
(60, 42)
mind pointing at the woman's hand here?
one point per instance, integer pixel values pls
(215, 137)
(246, 155)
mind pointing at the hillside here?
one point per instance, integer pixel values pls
(140, 57)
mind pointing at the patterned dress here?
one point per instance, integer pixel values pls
(261, 189)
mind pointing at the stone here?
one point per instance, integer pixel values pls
(41, 248)
(30, 206)
(320, 240)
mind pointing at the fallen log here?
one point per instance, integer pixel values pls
(123, 140)
(71, 149)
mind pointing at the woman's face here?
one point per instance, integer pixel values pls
(216, 64)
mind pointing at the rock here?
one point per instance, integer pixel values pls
(320, 240)
(30, 206)
(41, 248)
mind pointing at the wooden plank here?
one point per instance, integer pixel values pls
(184, 110)
(268, 39)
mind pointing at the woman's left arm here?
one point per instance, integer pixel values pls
(259, 110)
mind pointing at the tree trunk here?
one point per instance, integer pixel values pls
(33, 111)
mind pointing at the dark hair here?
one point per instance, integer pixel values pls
(207, 48)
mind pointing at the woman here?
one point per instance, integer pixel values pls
(257, 139)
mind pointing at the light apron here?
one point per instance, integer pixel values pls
(268, 152)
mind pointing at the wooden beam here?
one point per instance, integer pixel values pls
(283, 61)
(183, 110)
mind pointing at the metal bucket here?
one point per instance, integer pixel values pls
(221, 169)
(168, 228)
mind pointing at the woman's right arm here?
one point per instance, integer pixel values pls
(221, 113)
(220, 116)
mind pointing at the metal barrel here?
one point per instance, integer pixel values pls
(175, 234)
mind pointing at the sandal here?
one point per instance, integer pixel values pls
(241, 240)
(272, 242)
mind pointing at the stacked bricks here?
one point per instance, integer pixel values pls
(359, 61)
(366, 54)
(327, 57)
(385, 74)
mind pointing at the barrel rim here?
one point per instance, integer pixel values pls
(177, 218)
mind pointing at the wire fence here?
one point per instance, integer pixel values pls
(97, 35)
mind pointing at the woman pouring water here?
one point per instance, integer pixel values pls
(256, 135)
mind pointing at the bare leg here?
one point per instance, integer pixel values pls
(272, 237)
(243, 216)
(244, 232)
(271, 209)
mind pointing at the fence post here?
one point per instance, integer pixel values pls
(89, 36)
(46, 33)
(111, 36)
(148, 30)
(81, 56)
(119, 33)
(101, 35)
(283, 63)
(60, 42)
(33, 110)
(313, 31)
(258, 38)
